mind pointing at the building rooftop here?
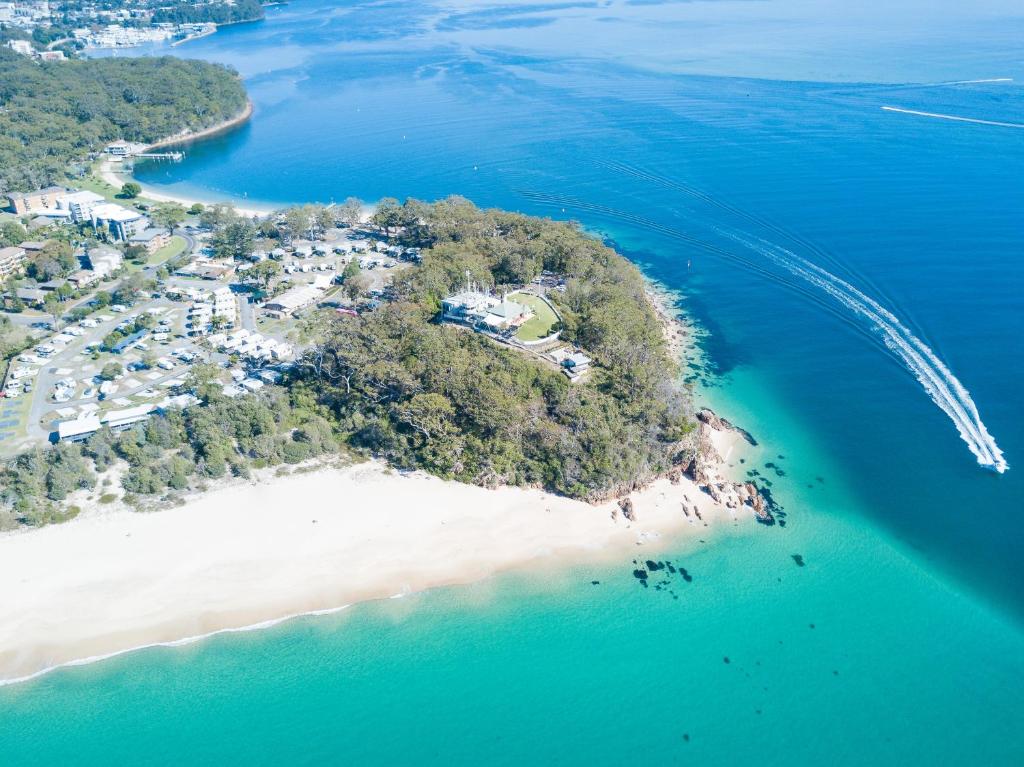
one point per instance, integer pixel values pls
(83, 197)
(36, 193)
(111, 212)
(84, 424)
(146, 235)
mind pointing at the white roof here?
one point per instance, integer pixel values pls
(83, 197)
(111, 212)
(127, 415)
(85, 424)
(295, 297)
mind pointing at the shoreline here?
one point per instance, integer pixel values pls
(116, 177)
(114, 174)
(240, 557)
(187, 136)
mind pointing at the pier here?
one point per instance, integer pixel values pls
(172, 156)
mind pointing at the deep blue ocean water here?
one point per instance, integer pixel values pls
(739, 152)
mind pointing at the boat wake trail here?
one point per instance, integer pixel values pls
(955, 118)
(809, 281)
(938, 381)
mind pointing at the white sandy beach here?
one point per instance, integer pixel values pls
(112, 172)
(244, 554)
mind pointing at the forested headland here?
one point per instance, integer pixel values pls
(216, 13)
(396, 384)
(53, 114)
(431, 396)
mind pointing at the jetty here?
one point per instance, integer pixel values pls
(172, 156)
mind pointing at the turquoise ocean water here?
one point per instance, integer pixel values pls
(740, 153)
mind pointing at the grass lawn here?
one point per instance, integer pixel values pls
(538, 326)
(172, 249)
(95, 184)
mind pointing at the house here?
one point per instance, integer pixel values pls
(34, 247)
(104, 260)
(576, 365)
(47, 218)
(78, 429)
(119, 420)
(120, 221)
(12, 261)
(151, 239)
(52, 285)
(79, 205)
(483, 311)
(124, 148)
(31, 202)
(83, 278)
(81, 428)
(32, 296)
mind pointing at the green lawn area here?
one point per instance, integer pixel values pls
(538, 326)
(95, 184)
(172, 249)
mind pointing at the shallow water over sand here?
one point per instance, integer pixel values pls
(686, 134)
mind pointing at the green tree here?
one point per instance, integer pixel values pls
(168, 215)
(130, 190)
(299, 221)
(137, 254)
(264, 271)
(387, 216)
(111, 370)
(12, 233)
(323, 218)
(349, 212)
(352, 269)
(217, 215)
(234, 240)
(196, 209)
(202, 380)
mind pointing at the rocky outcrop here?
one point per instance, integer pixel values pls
(626, 504)
(708, 416)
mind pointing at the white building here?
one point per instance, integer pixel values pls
(12, 261)
(483, 311)
(79, 205)
(293, 299)
(121, 222)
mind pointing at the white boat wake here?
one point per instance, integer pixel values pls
(956, 118)
(942, 386)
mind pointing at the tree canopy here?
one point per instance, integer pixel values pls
(54, 113)
(461, 406)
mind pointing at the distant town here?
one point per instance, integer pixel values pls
(53, 31)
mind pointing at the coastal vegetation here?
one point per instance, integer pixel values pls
(55, 114)
(214, 12)
(424, 395)
(394, 383)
